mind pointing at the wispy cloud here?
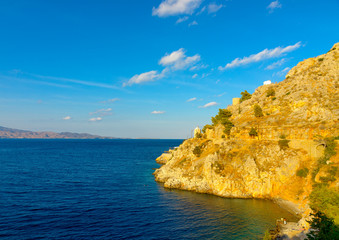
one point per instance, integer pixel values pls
(191, 99)
(193, 23)
(96, 119)
(102, 112)
(282, 72)
(273, 5)
(210, 104)
(111, 100)
(183, 19)
(81, 82)
(67, 118)
(263, 55)
(176, 7)
(158, 112)
(276, 64)
(178, 60)
(174, 61)
(213, 8)
(195, 76)
(143, 78)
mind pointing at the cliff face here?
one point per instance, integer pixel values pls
(276, 162)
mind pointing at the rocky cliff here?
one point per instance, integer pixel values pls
(268, 145)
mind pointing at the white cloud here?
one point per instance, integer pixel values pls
(67, 118)
(95, 119)
(175, 7)
(178, 60)
(143, 77)
(195, 76)
(210, 104)
(158, 112)
(191, 99)
(276, 64)
(213, 8)
(201, 10)
(282, 72)
(263, 55)
(183, 19)
(193, 23)
(102, 112)
(274, 5)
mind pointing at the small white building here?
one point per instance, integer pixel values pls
(268, 82)
(197, 131)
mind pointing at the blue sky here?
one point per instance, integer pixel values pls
(147, 69)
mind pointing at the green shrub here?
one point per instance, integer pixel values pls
(326, 200)
(267, 235)
(197, 151)
(288, 93)
(245, 96)
(221, 117)
(258, 111)
(322, 228)
(198, 135)
(283, 142)
(223, 136)
(302, 172)
(270, 92)
(207, 126)
(274, 98)
(253, 132)
(321, 59)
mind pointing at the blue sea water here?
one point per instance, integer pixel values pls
(104, 189)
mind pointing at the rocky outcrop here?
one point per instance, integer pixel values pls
(277, 162)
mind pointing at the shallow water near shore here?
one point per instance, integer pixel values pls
(104, 189)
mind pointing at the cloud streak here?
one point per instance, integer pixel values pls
(263, 55)
(158, 112)
(213, 8)
(67, 118)
(177, 60)
(96, 119)
(191, 99)
(176, 7)
(210, 104)
(102, 112)
(273, 5)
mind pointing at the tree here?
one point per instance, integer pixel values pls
(258, 111)
(221, 117)
(270, 92)
(322, 228)
(245, 96)
(253, 132)
(197, 151)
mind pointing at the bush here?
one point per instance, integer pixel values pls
(322, 228)
(197, 151)
(274, 98)
(245, 96)
(253, 132)
(270, 92)
(326, 200)
(198, 135)
(207, 126)
(223, 136)
(302, 172)
(221, 117)
(258, 111)
(267, 235)
(283, 142)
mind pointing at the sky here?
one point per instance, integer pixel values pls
(151, 68)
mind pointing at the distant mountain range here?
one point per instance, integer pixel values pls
(17, 133)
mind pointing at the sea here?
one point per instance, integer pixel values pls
(104, 189)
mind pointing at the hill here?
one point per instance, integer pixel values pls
(17, 133)
(278, 143)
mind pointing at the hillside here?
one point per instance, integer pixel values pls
(278, 143)
(16, 133)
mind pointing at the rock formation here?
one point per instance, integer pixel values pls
(270, 153)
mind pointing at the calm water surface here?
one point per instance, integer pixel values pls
(104, 189)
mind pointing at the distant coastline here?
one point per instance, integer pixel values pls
(11, 133)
